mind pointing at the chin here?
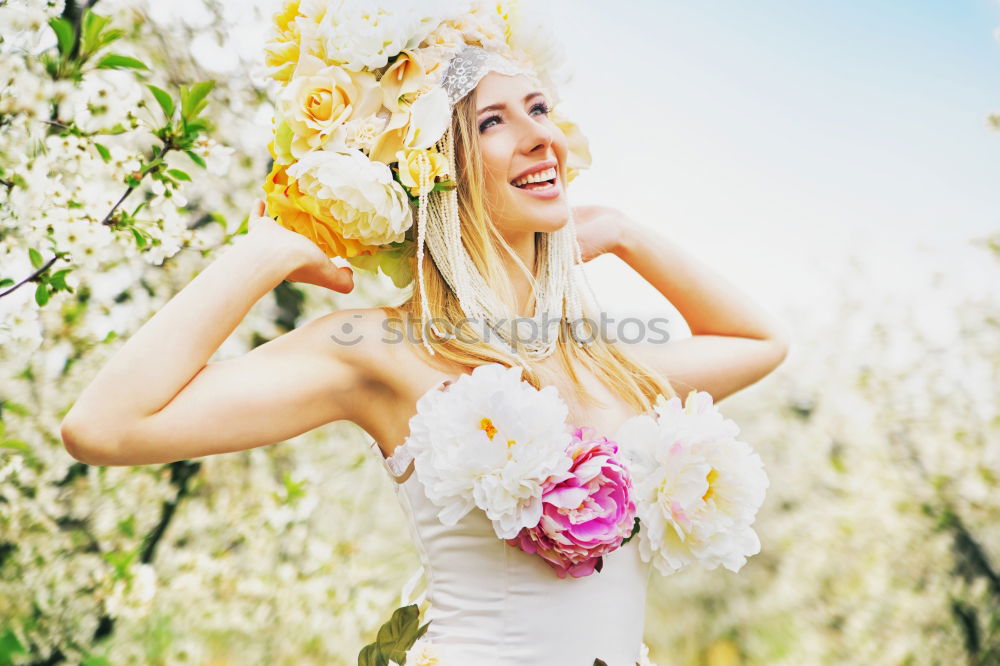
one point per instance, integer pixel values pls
(548, 221)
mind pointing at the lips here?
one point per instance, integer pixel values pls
(541, 166)
(549, 189)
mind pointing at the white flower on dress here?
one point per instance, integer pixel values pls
(697, 488)
(490, 441)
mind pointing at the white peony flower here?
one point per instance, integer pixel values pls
(697, 488)
(360, 194)
(490, 441)
(357, 35)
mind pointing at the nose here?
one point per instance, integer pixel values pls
(537, 135)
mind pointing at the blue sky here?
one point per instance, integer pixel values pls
(771, 139)
(764, 135)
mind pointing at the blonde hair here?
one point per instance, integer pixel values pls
(633, 380)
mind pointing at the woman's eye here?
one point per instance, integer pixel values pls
(541, 107)
(484, 125)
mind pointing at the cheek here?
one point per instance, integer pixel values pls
(494, 169)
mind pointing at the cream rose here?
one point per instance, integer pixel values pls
(320, 98)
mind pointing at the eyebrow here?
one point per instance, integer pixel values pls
(495, 107)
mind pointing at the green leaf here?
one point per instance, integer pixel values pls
(51, 64)
(195, 158)
(397, 635)
(64, 34)
(394, 638)
(179, 175)
(94, 660)
(244, 227)
(42, 293)
(191, 99)
(14, 444)
(118, 61)
(164, 100)
(635, 530)
(93, 25)
(195, 126)
(58, 280)
(110, 36)
(139, 238)
(36, 257)
(9, 645)
(105, 153)
(369, 656)
(6, 282)
(16, 407)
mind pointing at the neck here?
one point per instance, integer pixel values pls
(523, 245)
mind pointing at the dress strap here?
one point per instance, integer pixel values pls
(405, 594)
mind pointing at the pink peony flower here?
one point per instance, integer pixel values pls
(586, 512)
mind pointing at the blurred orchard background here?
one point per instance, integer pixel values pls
(838, 162)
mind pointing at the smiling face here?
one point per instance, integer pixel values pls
(517, 136)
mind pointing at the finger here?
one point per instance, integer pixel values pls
(258, 208)
(343, 279)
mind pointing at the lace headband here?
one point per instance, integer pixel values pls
(471, 64)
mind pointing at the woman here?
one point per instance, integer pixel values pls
(159, 399)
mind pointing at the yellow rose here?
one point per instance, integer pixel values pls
(300, 213)
(281, 53)
(410, 162)
(320, 98)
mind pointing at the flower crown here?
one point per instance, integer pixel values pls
(367, 95)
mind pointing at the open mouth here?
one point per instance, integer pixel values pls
(544, 180)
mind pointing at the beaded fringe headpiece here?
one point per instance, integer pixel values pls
(438, 226)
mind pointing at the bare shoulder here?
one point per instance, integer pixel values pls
(354, 336)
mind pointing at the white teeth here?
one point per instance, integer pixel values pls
(548, 174)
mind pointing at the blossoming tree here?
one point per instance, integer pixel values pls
(133, 140)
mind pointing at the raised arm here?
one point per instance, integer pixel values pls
(735, 342)
(158, 399)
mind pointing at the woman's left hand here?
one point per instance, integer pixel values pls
(599, 229)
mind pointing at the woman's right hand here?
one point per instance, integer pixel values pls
(312, 265)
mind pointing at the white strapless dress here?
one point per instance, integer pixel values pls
(491, 604)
